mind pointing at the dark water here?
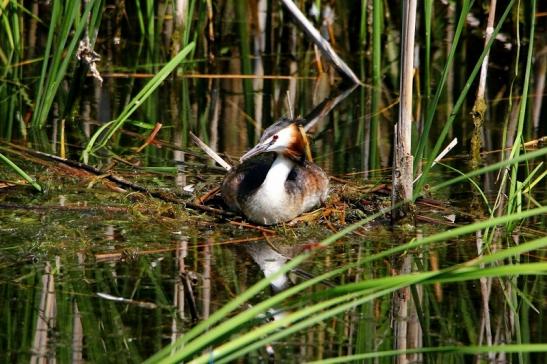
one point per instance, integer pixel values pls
(98, 272)
(92, 273)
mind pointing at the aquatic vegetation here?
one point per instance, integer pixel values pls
(124, 251)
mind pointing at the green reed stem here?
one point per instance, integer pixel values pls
(360, 137)
(66, 21)
(432, 106)
(377, 26)
(246, 67)
(516, 149)
(428, 5)
(193, 341)
(315, 313)
(20, 172)
(454, 350)
(99, 140)
(461, 98)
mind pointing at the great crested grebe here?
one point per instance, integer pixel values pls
(280, 182)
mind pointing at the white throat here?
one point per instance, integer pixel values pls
(274, 183)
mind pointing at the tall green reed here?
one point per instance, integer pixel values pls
(194, 340)
(461, 98)
(426, 92)
(246, 66)
(18, 324)
(360, 137)
(343, 297)
(453, 353)
(516, 187)
(68, 23)
(432, 105)
(20, 172)
(377, 30)
(13, 94)
(107, 131)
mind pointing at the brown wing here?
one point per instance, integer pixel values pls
(307, 180)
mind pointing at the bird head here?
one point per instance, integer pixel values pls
(286, 137)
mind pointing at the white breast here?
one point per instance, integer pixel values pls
(270, 203)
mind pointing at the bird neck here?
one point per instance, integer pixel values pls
(277, 175)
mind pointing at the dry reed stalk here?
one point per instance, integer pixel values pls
(321, 43)
(403, 160)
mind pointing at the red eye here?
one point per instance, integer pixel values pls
(274, 138)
